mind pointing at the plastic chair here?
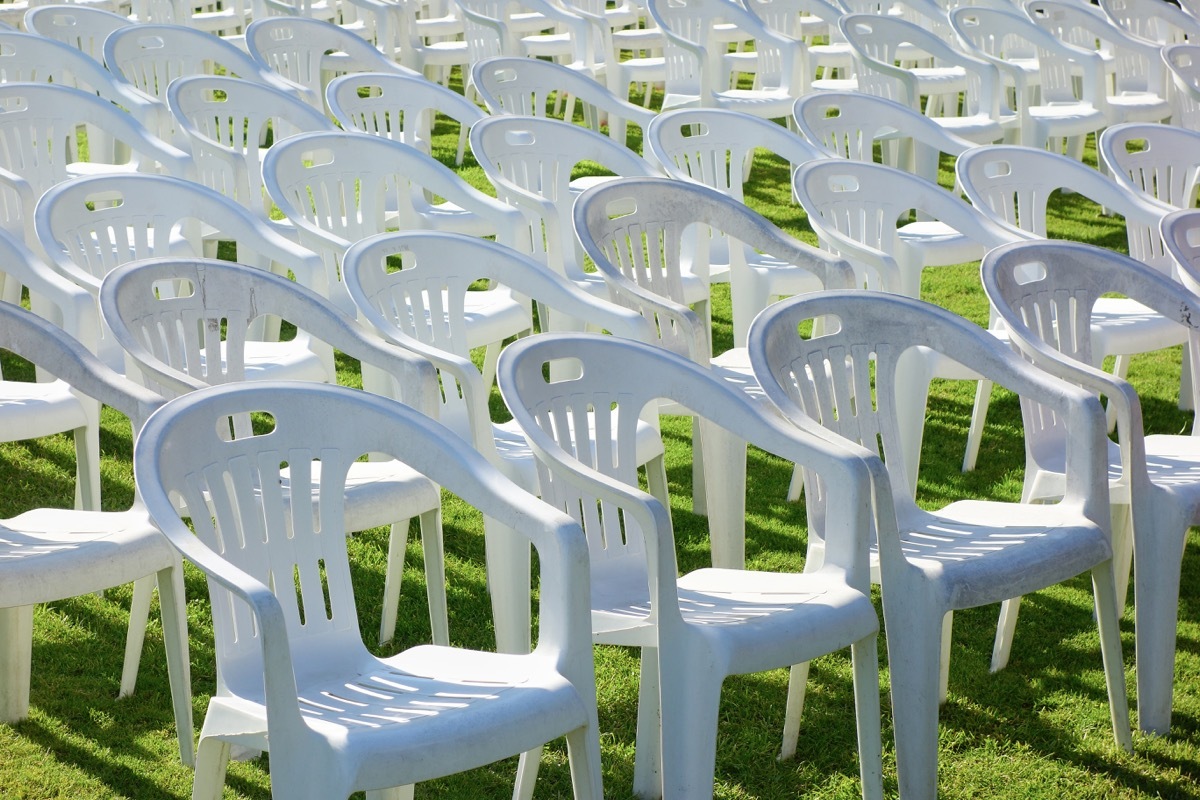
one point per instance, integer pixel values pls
(51, 554)
(850, 125)
(626, 48)
(1160, 161)
(169, 335)
(884, 44)
(431, 43)
(812, 23)
(149, 56)
(635, 231)
(1183, 64)
(1043, 290)
(309, 52)
(696, 74)
(531, 162)
(1160, 23)
(401, 108)
(523, 86)
(1056, 110)
(228, 122)
(717, 148)
(295, 677)
(858, 210)
(338, 188)
(767, 619)
(1014, 186)
(227, 20)
(83, 27)
(1136, 89)
(89, 226)
(971, 552)
(426, 306)
(528, 28)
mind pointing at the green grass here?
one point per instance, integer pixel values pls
(1039, 729)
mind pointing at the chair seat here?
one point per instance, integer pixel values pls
(380, 493)
(988, 551)
(1066, 119)
(39, 409)
(939, 244)
(52, 553)
(978, 128)
(397, 705)
(1139, 107)
(494, 316)
(759, 615)
(279, 361)
(1121, 326)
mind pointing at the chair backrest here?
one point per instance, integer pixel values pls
(636, 230)
(400, 107)
(717, 147)
(1046, 291)
(339, 187)
(186, 322)
(1162, 161)
(616, 381)
(188, 454)
(229, 123)
(83, 27)
(1135, 64)
(1161, 23)
(302, 50)
(39, 134)
(528, 159)
(868, 203)
(1013, 185)
(51, 296)
(1181, 237)
(1183, 64)
(509, 85)
(421, 305)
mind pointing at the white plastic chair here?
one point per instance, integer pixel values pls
(1014, 186)
(523, 86)
(971, 552)
(636, 231)
(1160, 161)
(697, 628)
(149, 56)
(626, 46)
(227, 19)
(51, 554)
(338, 188)
(1056, 109)
(426, 307)
(294, 676)
(850, 125)
(1136, 88)
(227, 122)
(859, 210)
(310, 52)
(431, 43)
(1160, 23)
(531, 162)
(83, 27)
(716, 147)
(89, 226)
(400, 107)
(1046, 293)
(529, 28)
(1183, 64)
(698, 35)
(169, 335)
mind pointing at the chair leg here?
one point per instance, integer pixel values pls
(1156, 598)
(796, 487)
(647, 764)
(395, 793)
(914, 643)
(527, 772)
(912, 393)
(1120, 369)
(583, 753)
(173, 606)
(508, 565)
(16, 650)
(1005, 628)
(1104, 586)
(797, 684)
(725, 490)
(690, 698)
(397, 543)
(435, 575)
(865, 657)
(944, 658)
(1123, 544)
(87, 471)
(983, 398)
(699, 479)
(212, 759)
(135, 636)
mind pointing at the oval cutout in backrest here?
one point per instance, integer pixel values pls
(1030, 272)
(997, 169)
(505, 75)
(317, 158)
(520, 138)
(151, 42)
(169, 288)
(620, 207)
(99, 201)
(843, 184)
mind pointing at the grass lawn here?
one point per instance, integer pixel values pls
(1039, 729)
